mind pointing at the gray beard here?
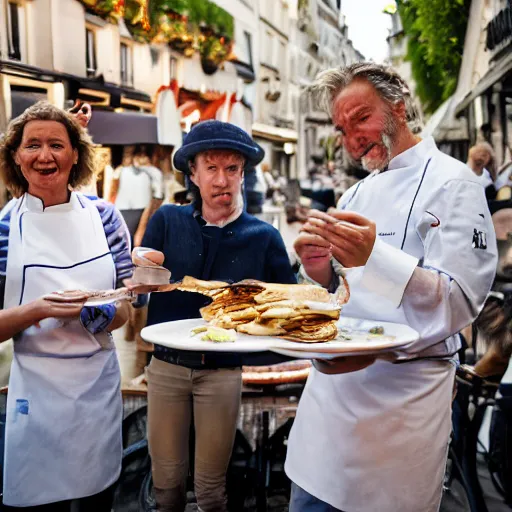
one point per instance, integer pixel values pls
(387, 143)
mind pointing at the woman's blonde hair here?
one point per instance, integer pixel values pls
(10, 173)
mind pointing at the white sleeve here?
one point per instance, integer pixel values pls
(157, 183)
(447, 290)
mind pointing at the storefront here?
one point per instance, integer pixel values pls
(21, 86)
(280, 145)
(487, 108)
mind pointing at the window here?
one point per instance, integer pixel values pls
(90, 52)
(283, 61)
(174, 68)
(270, 48)
(126, 64)
(15, 21)
(248, 46)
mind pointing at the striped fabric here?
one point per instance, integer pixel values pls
(118, 238)
(5, 221)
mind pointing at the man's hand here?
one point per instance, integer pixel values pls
(315, 255)
(343, 364)
(350, 235)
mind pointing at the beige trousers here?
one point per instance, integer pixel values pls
(213, 396)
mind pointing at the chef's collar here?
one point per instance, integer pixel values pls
(35, 204)
(414, 155)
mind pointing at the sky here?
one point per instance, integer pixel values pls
(368, 26)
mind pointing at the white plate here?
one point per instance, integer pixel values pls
(177, 335)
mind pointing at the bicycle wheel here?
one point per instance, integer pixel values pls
(147, 502)
(455, 494)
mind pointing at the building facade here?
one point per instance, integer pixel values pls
(274, 126)
(486, 107)
(319, 41)
(143, 89)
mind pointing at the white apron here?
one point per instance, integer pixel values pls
(360, 445)
(64, 406)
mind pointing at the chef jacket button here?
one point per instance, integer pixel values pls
(230, 233)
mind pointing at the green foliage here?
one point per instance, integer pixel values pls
(435, 30)
(390, 8)
(206, 13)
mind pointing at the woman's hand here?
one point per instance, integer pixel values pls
(343, 364)
(16, 319)
(48, 308)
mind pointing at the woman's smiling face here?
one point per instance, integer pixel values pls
(46, 157)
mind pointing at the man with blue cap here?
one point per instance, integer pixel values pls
(211, 239)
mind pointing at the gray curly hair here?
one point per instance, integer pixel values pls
(387, 82)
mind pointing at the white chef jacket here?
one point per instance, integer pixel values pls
(376, 439)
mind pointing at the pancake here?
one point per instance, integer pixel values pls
(301, 312)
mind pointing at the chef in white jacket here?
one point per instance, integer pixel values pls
(418, 247)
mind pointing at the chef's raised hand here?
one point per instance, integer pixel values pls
(81, 112)
(351, 235)
(315, 255)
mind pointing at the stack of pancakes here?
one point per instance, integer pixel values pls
(299, 312)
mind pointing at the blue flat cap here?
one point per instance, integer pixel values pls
(217, 135)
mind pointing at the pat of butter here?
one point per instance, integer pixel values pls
(215, 334)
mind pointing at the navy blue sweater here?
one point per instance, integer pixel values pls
(246, 248)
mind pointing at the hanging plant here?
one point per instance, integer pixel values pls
(186, 25)
(137, 20)
(174, 29)
(110, 10)
(214, 50)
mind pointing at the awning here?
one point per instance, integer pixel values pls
(274, 133)
(498, 71)
(113, 95)
(123, 128)
(21, 100)
(443, 125)
(88, 89)
(245, 71)
(222, 81)
(169, 119)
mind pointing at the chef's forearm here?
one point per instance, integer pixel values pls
(122, 315)
(435, 305)
(16, 319)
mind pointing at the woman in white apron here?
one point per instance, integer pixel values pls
(64, 409)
